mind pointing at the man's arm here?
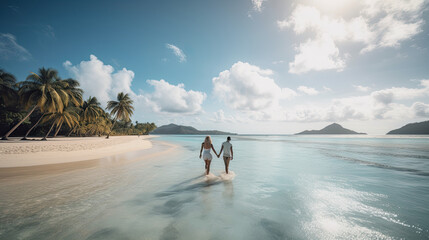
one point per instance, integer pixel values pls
(232, 153)
(221, 149)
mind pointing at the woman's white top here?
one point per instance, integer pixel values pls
(206, 154)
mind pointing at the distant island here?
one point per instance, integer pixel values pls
(178, 129)
(412, 128)
(334, 128)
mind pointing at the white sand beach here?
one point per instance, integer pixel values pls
(15, 153)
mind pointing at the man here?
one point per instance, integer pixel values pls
(228, 154)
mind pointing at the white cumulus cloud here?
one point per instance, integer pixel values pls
(389, 95)
(308, 90)
(317, 54)
(122, 81)
(168, 98)
(361, 88)
(257, 5)
(380, 104)
(102, 81)
(10, 49)
(177, 51)
(220, 117)
(249, 88)
(421, 109)
(375, 24)
(99, 80)
(327, 89)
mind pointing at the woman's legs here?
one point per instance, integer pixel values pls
(207, 166)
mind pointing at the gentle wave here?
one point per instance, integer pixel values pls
(379, 165)
(314, 141)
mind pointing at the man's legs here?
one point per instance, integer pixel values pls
(226, 161)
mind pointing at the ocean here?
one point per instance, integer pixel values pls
(280, 187)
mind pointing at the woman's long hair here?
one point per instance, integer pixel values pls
(207, 142)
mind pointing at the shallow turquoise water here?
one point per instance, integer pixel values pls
(283, 187)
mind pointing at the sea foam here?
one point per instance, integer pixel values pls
(227, 177)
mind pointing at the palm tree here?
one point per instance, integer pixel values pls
(81, 130)
(75, 128)
(88, 112)
(70, 86)
(75, 98)
(91, 109)
(44, 91)
(74, 92)
(34, 126)
(68, 116)
(148, 127)
(8, 90)
(122, 109)
(73, 112)
(101, 126)
(151, 127)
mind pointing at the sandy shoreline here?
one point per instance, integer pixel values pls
(17, 153)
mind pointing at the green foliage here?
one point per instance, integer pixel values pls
(60, 103)
(10, 116)
(91, 109)
(46, 90)
(8, 89)
(69, 116)
(128, 128)
(122, 109)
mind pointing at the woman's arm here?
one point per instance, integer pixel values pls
(201, 150)
(232, 153)
(214, 150)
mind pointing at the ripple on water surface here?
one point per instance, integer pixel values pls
(279, 187)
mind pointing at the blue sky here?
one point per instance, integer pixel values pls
(247, 66)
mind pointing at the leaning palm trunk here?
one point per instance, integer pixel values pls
(113, 125)
(58, 129)
(44, 138)
(17, 125)
(74, 128)
(31, 129)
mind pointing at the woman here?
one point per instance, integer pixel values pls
(207, 156)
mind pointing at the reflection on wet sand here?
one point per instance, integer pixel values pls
(297, 192)
(184, 187)
(228, 192)
(16, 173)
(41, 200)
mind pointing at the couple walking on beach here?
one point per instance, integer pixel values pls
(228, 154)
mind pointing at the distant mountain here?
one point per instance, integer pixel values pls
(178, 129)
(334, 128)
(412, 128)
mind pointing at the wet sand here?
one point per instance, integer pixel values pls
(60, 201)
(15, 153)
(156, 150)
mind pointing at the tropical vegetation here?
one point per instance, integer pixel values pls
(122, 109)
(45, 104)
